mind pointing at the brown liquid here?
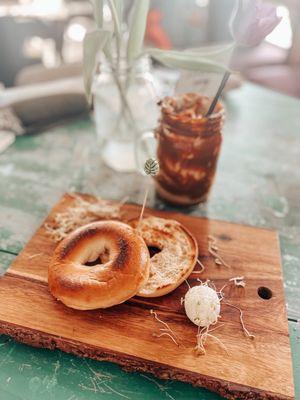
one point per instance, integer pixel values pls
(188, 149)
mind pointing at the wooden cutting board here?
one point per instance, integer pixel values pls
(127, 334)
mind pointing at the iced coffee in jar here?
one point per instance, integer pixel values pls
(188, 146)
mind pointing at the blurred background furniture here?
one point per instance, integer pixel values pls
(43, 38)
(282, 71)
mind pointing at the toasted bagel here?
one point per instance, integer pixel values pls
(99, 265)
(178, 253)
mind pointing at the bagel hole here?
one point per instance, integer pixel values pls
(153, 250)
(102, 258)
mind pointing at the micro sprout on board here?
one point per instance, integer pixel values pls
(213, 250)
(166, 331)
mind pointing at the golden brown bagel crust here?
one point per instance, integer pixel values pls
(123, 270)
(176, 259)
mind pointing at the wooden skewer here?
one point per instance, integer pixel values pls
(143, 207)
(151, 168)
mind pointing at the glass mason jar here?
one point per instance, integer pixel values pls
(125, 105)
(188, 146)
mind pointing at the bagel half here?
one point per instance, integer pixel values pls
(178, 253)
(98, 266)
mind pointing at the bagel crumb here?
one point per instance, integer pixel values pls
(81, 213)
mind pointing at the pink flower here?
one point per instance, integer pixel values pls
(252, 21)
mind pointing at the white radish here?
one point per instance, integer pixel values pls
(202, 305)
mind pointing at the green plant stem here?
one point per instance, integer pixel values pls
(124, 103)
(123, 97)
(122, 113)
(126, 106)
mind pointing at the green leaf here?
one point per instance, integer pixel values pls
(212, 51)
(98, 12)
(92, 44)
(119, 8)
(115, 17)
(190, 60)
(137, 29)
(107, 50)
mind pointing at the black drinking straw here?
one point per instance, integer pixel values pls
(218, 94)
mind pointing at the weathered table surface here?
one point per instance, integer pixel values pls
(257, 184)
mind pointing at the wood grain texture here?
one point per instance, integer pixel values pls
(124, 334)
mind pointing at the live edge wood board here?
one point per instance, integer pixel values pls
(125, 334)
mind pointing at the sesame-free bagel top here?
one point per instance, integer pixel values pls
(177, 256)
(99, 265)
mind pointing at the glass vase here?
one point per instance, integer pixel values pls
(125, 105)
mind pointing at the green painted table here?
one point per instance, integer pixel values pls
(257, 183)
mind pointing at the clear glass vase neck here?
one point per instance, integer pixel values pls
(122, 67)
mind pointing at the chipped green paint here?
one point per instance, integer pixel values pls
(29, 374)
(257, 183)
(295, 345)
